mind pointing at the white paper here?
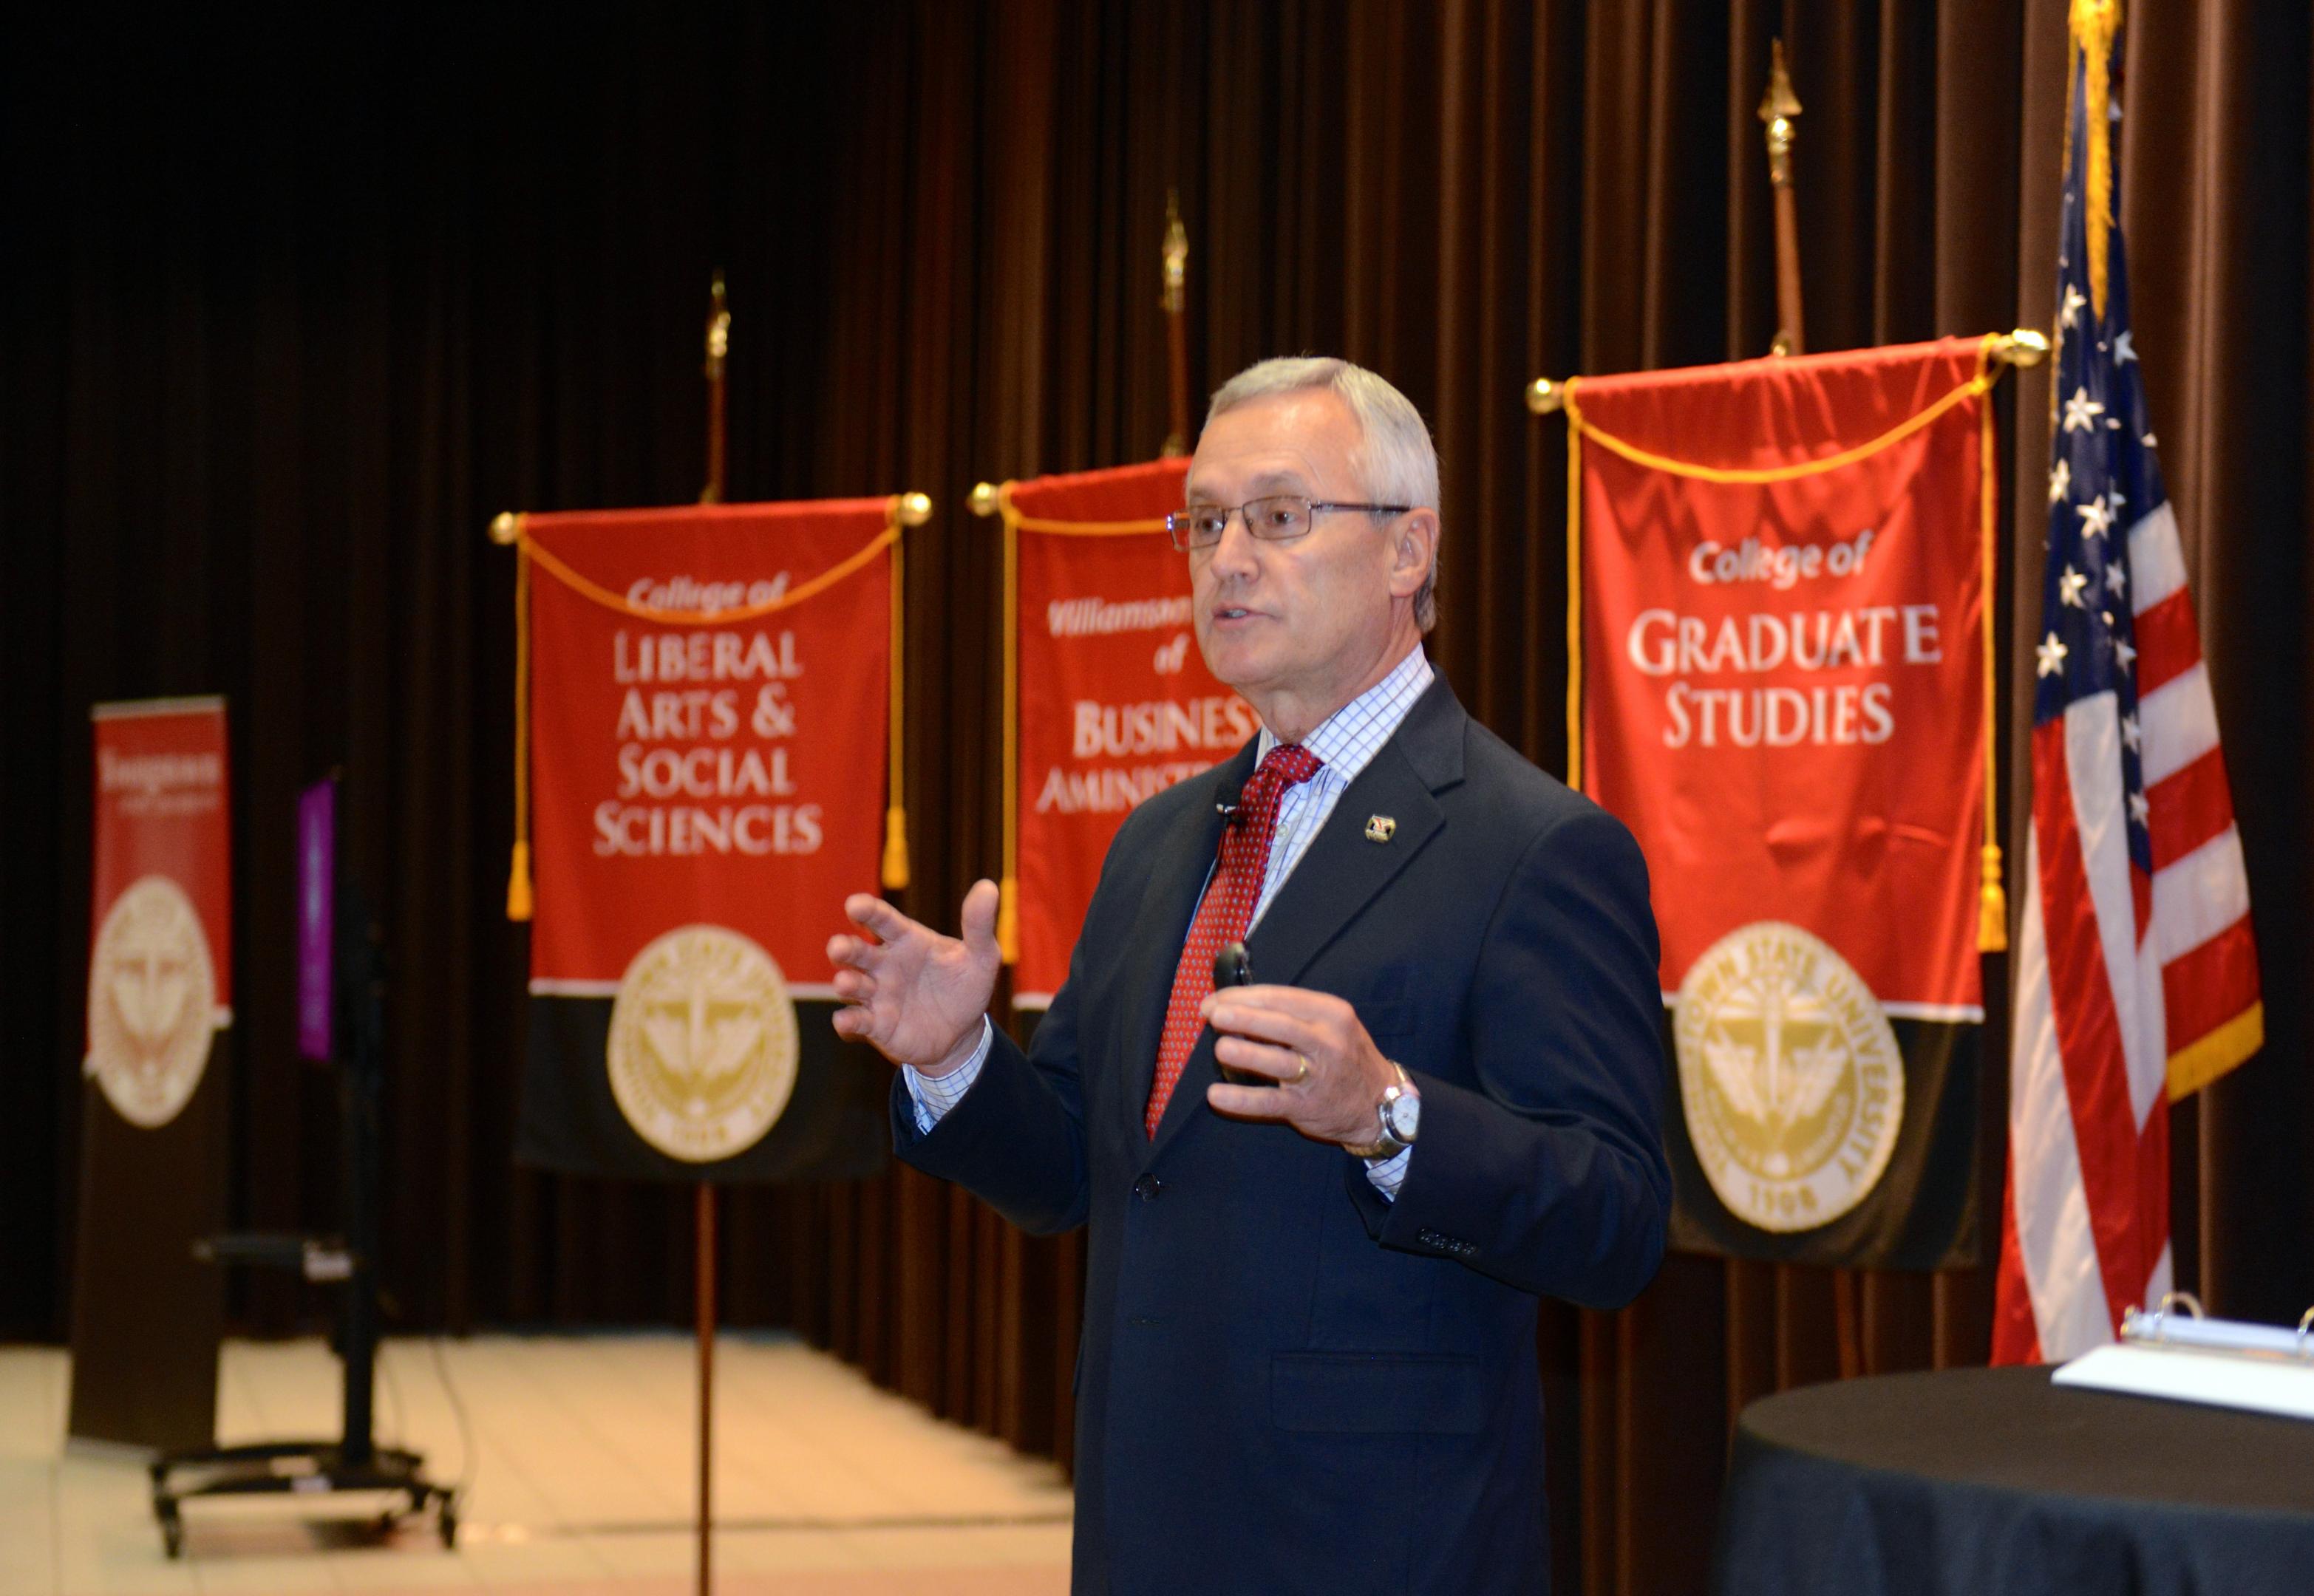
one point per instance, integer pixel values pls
(2179, 1374)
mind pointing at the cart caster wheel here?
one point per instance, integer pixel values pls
(173, 1538)
(448, 1524)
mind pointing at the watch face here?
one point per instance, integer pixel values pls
(1404, 1112)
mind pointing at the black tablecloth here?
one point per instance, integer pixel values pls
(1979, 1481)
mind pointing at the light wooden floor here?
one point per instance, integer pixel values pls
(581, 1481)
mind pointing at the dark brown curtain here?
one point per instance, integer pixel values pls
(289, 309)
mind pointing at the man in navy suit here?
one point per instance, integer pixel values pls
(1309, 1358)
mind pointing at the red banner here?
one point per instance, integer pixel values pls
(708, 710)
(1782, 662)
(1782, 682)
(160, 965)
(1114, 700)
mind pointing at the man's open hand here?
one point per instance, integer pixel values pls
(1271, 1030)
(916, 996)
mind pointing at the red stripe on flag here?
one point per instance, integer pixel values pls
(2016, 1334)
(2189, 806)
(2168, 643)
(2152, 1200)
(2088, 1028)
(2205, 987)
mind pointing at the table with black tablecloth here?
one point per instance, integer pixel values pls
(1973, 1482)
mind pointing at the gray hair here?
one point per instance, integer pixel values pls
(1395, 454)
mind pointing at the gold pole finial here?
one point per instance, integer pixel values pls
(719, 329)
(983, 501)
(2024, 349)
(1174, 302)
(1777, 107)
(914, 509)
(505, 527)
(1544, 396)
(1177, 256)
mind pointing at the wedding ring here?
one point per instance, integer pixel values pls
(1300, 1074)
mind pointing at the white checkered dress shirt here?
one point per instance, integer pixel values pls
(1347, 742)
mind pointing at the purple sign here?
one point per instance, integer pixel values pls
(317, 844)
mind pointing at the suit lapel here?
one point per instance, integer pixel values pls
(1342, 871)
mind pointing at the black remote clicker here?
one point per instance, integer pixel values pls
(1233, 967)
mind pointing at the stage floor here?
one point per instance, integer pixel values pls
(582, 1481)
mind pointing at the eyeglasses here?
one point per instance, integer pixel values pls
(1274, 519)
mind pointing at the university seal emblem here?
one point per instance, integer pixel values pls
(702, 1051)
(152, 1002)
(1789, 1075)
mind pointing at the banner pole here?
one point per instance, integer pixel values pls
(1176, 333)
(1777, 109)
(718, 344)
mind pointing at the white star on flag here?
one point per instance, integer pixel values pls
(2052, 656)
(2131, 734)
(2061, 481)
(2116, 580)
(2072, 308)
(2096, 517)
(2140, 810)
(2124, 652)
(2069, 585)
(2082, 412)
(2124, 351)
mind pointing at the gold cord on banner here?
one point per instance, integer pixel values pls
(1992, 901)
(894, 873)
(1575, 608)
(518, 893)
(997, 500)
(1008, 901)
(1995, 350)
(1977, 384)
(902, 510)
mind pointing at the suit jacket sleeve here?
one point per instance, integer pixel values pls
(1549, 1174)
(1017, 1139)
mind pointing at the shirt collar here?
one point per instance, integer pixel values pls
(1349, 739)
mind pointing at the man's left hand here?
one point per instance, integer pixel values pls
(1330, 1076)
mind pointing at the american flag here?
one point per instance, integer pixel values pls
(2136, 972)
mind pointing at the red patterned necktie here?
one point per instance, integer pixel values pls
(1227, 909)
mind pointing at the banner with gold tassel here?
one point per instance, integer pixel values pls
(707, 763)
(1781, 677)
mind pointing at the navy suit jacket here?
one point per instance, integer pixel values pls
(1287, 1382)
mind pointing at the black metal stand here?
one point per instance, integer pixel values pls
(355, 1462)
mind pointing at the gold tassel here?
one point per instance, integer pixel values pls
(896, 816)
(896, 848)
(1007, 921)
(518, 899)
(1991, 904)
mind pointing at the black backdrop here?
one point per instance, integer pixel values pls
(290, 307)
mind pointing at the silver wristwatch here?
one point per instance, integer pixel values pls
(1398, 1116)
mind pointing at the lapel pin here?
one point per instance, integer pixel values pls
(1380, 827)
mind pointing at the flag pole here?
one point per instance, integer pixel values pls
(1777, 107)
(1174, 303)
(718, 344)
